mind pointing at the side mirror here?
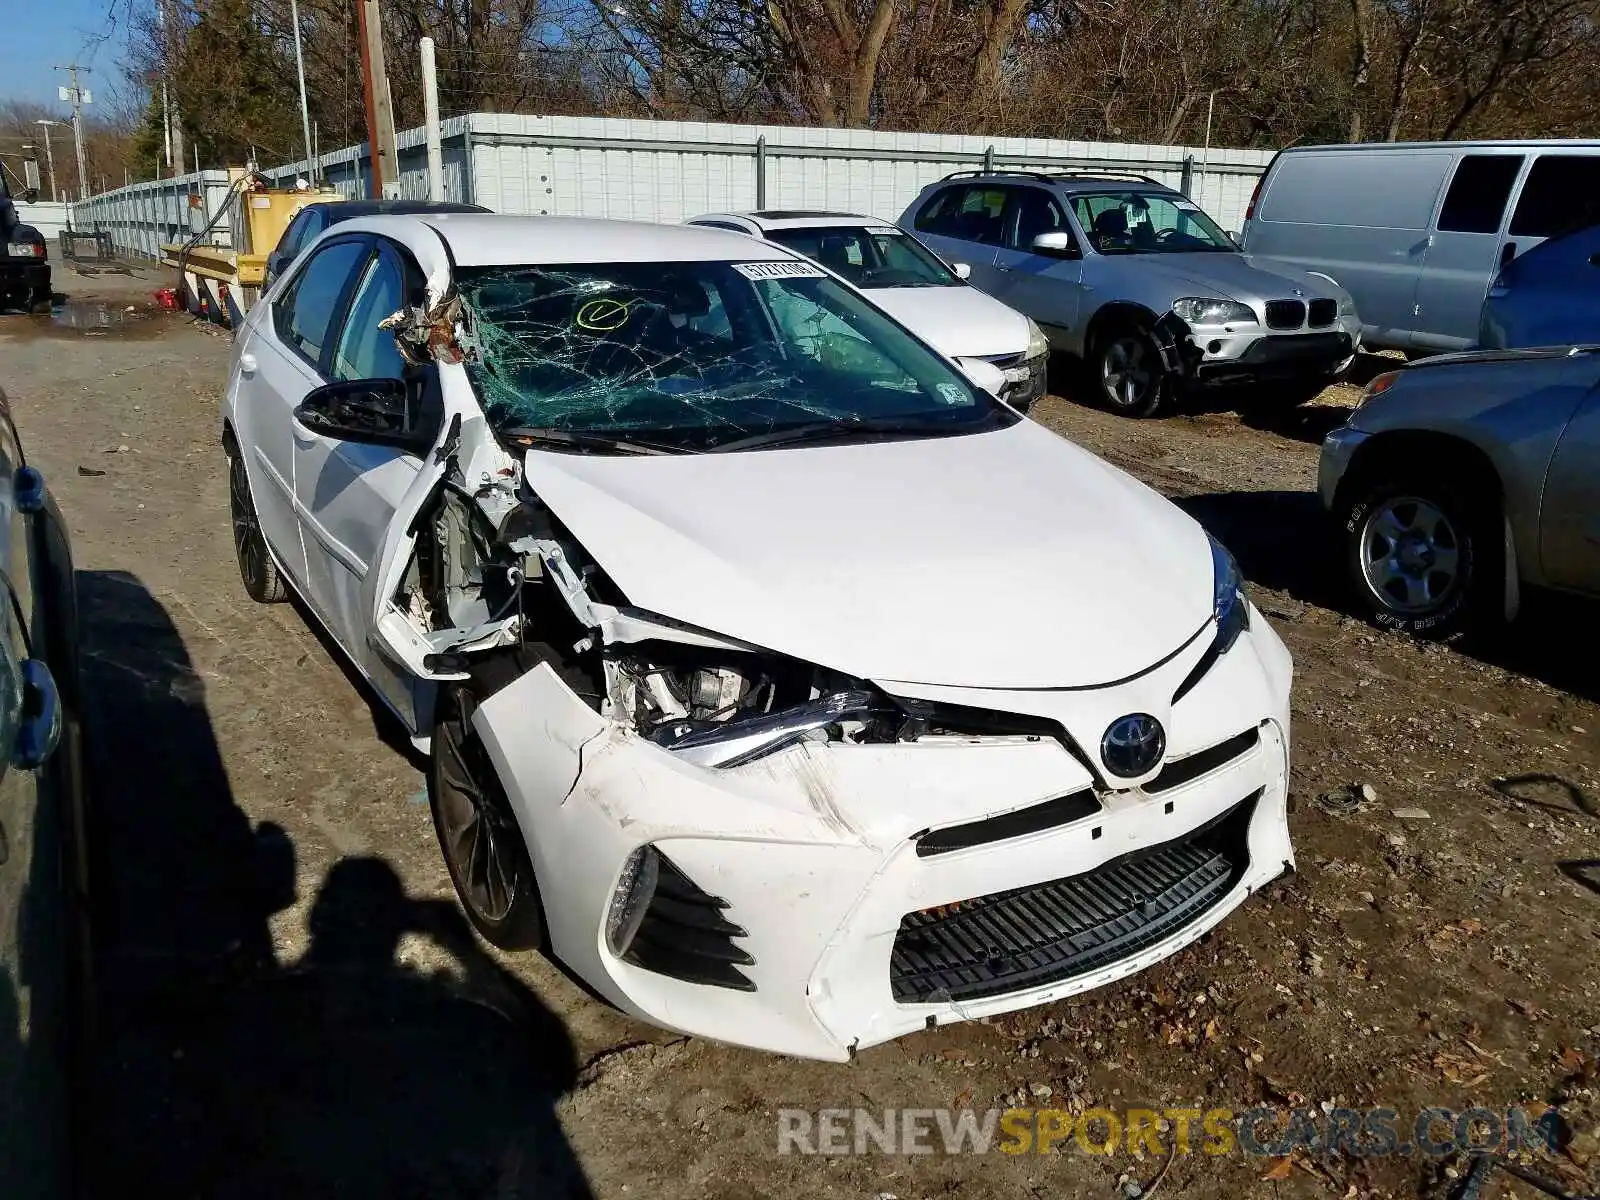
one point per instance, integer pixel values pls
(962, 270)
(1057, 243)
(377, 412)
(983, 373)
(29, 195)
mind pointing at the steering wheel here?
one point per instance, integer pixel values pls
(1166, 235)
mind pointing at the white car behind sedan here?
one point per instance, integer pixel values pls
(902, 276)
(779, 680)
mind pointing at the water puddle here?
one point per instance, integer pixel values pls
(85, 318)
(92, 316)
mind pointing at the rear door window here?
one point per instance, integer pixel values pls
(1562, 192)
(302, 316)
(1476, 201)
(971, 213)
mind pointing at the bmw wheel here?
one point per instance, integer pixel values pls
(1420, 556)
(481, 840)
(1128, 369)
(260, 574)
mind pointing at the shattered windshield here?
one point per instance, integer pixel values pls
(693, 355)
(869, 257)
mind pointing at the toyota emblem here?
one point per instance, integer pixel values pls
(1133, 745)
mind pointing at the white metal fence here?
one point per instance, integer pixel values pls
(670, 170)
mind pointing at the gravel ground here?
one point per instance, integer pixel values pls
(295, 1007)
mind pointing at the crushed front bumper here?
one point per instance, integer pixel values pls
(852, 880)
(1218, 356)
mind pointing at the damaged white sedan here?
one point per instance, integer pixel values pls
(783, 683)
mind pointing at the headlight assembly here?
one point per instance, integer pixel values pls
(1228, 602)
(1228, 606)
(1038, 344)
(724, 709)
(1206, 310)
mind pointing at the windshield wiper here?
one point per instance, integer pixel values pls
(846, 429)
(530, 437)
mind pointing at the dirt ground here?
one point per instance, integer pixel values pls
(294, 1007)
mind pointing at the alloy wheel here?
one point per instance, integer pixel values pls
(481, 841)
(1410, 554)
(248, 542)
(1128, 373)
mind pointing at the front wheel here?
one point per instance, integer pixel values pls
(1128, 369)
(1420, 557)
(481, 840)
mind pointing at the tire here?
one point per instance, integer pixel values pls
(1126, 372)
(262, 580)
(1424, 557)
(478, 833)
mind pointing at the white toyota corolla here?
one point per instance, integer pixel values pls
(782, 682)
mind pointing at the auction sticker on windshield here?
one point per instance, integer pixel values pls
(779, 270)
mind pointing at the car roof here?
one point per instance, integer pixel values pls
(492, 239)
(347, 210)
(796, 218)
(1112, 181)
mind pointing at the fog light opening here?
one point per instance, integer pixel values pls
(636, 887)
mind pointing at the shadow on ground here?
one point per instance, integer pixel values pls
(224, 1071)
(1284, 541)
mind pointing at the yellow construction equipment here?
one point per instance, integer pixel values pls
(221, 267)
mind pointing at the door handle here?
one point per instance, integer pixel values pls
(998, 267)
(40, 728)
(247, 364)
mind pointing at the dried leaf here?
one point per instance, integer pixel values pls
(1574, 1062)
(1279, 1169)
(1212, 1030)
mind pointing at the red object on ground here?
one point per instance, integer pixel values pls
(167, 298)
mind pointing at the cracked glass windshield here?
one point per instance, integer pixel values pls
(703, 355)
(868, 257)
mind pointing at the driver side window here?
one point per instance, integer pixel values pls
(1037, 212)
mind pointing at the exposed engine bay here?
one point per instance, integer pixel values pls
(476, 589)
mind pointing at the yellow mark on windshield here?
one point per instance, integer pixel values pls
(602, 316)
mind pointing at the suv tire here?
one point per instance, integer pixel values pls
(1126, 371)
(1424, 556)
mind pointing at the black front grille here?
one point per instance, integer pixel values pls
(1180, 771)
(685, 934)
(1014, 824)
(1286, 314)
(1004, 361)
(1041, 934)
(1323, 312)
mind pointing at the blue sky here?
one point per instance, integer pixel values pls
(62, 31)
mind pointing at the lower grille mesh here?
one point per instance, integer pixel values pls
(1036, 935)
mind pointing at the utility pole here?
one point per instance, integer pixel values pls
(380, 111)
(430, 120)
(169, 110)
(49, 156)
(305, 112)
(77, 97)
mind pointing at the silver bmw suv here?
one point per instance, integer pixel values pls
(1135, 279)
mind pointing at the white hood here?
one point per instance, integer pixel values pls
(1011, 559)
(960, 322)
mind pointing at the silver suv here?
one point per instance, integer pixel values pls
(1134, 278)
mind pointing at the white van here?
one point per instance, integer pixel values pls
(1416, 231)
